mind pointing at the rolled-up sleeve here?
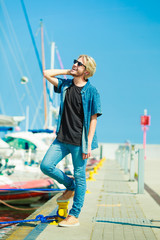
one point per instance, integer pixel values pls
(60, 83)
(96, 104)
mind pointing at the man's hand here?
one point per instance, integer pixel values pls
(85, 156)
(92, 128)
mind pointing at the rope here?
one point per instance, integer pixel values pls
(39, 217)
(35, 46)
(37, 111)
(33, 189)
(16, 208)
(11, 77)
(31, 34)
(13, 34)
(60, 61)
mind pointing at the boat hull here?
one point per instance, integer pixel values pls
(14, 195)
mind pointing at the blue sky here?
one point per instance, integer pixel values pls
(123, 37)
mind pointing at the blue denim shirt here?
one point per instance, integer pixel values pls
(91, 105)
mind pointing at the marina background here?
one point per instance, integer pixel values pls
(122, 36)
(124, 39)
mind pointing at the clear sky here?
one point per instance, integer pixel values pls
(122, 36)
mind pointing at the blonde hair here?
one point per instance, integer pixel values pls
(90, 64)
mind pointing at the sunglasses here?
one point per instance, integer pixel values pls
(78, 63)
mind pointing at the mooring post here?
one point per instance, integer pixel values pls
(141, 171)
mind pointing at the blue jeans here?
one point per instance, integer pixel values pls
(54, 155)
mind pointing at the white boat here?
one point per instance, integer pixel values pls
(29, 147)
(11, 121)
(5, 150)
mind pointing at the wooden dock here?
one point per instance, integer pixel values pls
(113, 210)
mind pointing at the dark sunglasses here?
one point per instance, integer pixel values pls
(78, 63)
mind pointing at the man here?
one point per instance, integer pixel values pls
(79, 108)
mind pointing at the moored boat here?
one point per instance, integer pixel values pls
(26, 192)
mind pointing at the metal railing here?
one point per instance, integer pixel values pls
(126, 157)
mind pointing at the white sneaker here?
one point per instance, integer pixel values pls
(69, 221)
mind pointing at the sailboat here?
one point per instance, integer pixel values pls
(27, 139)
(26, 191)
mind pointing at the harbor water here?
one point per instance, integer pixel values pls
(11, 214)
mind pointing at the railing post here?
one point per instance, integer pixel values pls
(126, 160)
(117, 155)
(123, 157)
(101, 151)
(132, 166)
(141, 171)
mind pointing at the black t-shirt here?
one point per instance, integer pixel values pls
(72, 117)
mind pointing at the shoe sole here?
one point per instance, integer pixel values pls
(64, 200)
(65, 225)
(67, 200)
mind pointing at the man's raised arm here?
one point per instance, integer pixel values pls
(51, 73)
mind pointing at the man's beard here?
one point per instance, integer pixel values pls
(77, 74)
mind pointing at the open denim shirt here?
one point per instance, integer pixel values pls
(91, 105)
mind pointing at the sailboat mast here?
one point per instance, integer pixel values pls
(51, 86)
(44, 80)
